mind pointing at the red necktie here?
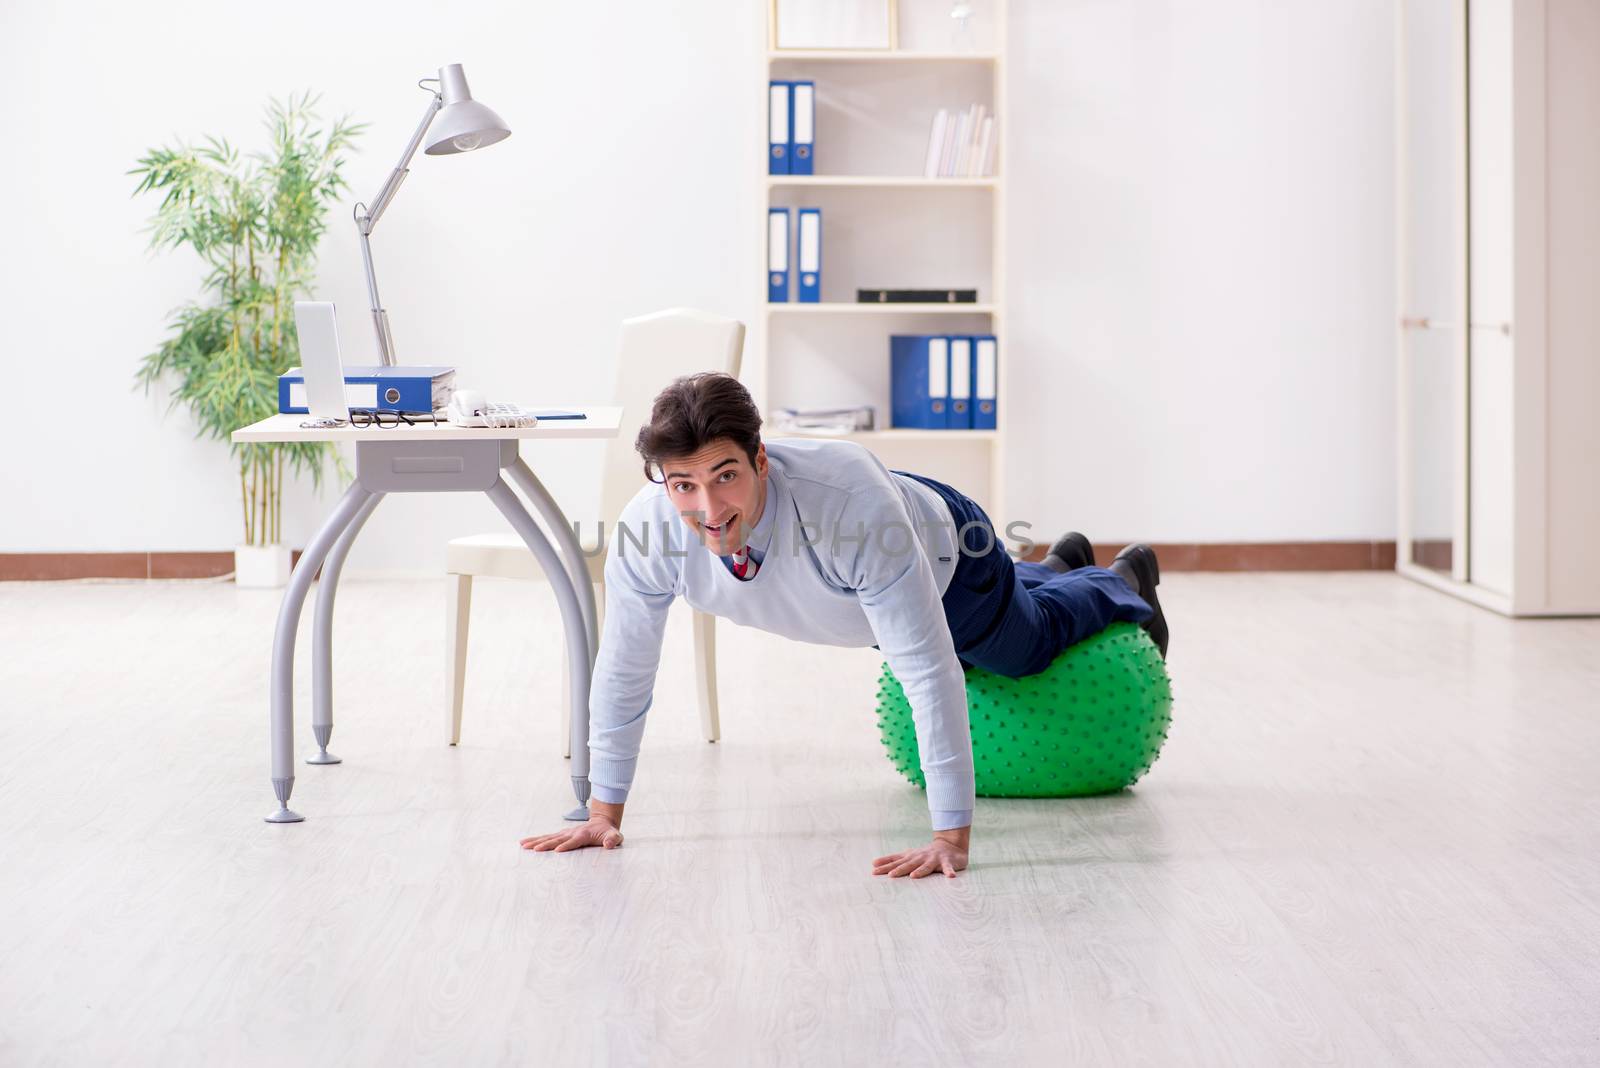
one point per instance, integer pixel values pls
(744, 567)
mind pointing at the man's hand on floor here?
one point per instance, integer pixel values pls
(603, 829)
(597, 831)
(948, 854)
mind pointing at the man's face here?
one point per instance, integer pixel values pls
(717, 492)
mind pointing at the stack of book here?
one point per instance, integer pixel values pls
(961, 144)
(823, 420)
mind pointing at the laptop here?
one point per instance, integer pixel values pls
(326, 403)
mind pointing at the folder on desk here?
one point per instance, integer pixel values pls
(384, 388)
(958, 415)
(778, 255)
(780, 110)
(810, 257)
(919, 381)
(802, 126)
(985, 382)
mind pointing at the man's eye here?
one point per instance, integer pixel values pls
(682, 487)
(727, 475)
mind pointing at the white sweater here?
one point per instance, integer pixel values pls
(854, 556)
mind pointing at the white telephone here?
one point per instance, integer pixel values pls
(468, 407)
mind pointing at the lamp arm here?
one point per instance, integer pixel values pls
(367, 219)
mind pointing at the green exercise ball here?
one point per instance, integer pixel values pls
(1090, 723)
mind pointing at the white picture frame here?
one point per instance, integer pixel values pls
(845, 25)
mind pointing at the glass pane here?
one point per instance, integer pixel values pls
(1433, 275)
(1431, 374)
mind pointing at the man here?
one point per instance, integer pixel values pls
(816, 540)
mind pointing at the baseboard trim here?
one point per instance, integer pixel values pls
(1258, 555)
(61, 567)
(1175, 556)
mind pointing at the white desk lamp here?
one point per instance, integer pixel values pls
(464, 125)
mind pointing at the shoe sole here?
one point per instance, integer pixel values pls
(1143, 559)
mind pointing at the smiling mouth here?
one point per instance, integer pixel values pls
(719, 528)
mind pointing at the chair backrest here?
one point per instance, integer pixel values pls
(655, 350)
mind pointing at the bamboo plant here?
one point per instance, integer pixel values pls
(255, 222)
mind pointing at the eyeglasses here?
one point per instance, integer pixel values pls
(384, 418)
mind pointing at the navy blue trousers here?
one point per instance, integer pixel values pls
(1014, 617)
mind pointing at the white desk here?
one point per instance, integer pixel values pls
(427, 458)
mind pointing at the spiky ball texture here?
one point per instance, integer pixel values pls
(1090, 723)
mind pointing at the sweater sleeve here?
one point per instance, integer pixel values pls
(879, 557)
(639, 589)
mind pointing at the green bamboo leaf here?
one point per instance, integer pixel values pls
(224, 353)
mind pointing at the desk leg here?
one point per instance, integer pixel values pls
(567, 541)
(322, 634)
(282, 681)
(572, 620)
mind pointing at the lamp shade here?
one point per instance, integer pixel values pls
(462, 124)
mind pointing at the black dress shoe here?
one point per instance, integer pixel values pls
(1138, 567)
(1070, 552)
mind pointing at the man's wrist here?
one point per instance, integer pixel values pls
(610, 813)
(960, 837)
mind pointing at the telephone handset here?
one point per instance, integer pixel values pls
(468, 407)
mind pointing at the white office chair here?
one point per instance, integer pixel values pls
(655, 350)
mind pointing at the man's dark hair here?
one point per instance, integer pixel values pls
(694, 411)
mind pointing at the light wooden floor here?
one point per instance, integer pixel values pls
(1374, 839)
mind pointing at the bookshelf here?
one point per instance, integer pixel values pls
(884, 224)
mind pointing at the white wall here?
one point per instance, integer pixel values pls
(1202, 267)
(622, 190)
(1200, 233)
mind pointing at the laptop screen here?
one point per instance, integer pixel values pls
(319, 359)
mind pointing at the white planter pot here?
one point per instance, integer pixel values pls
(261, 567)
